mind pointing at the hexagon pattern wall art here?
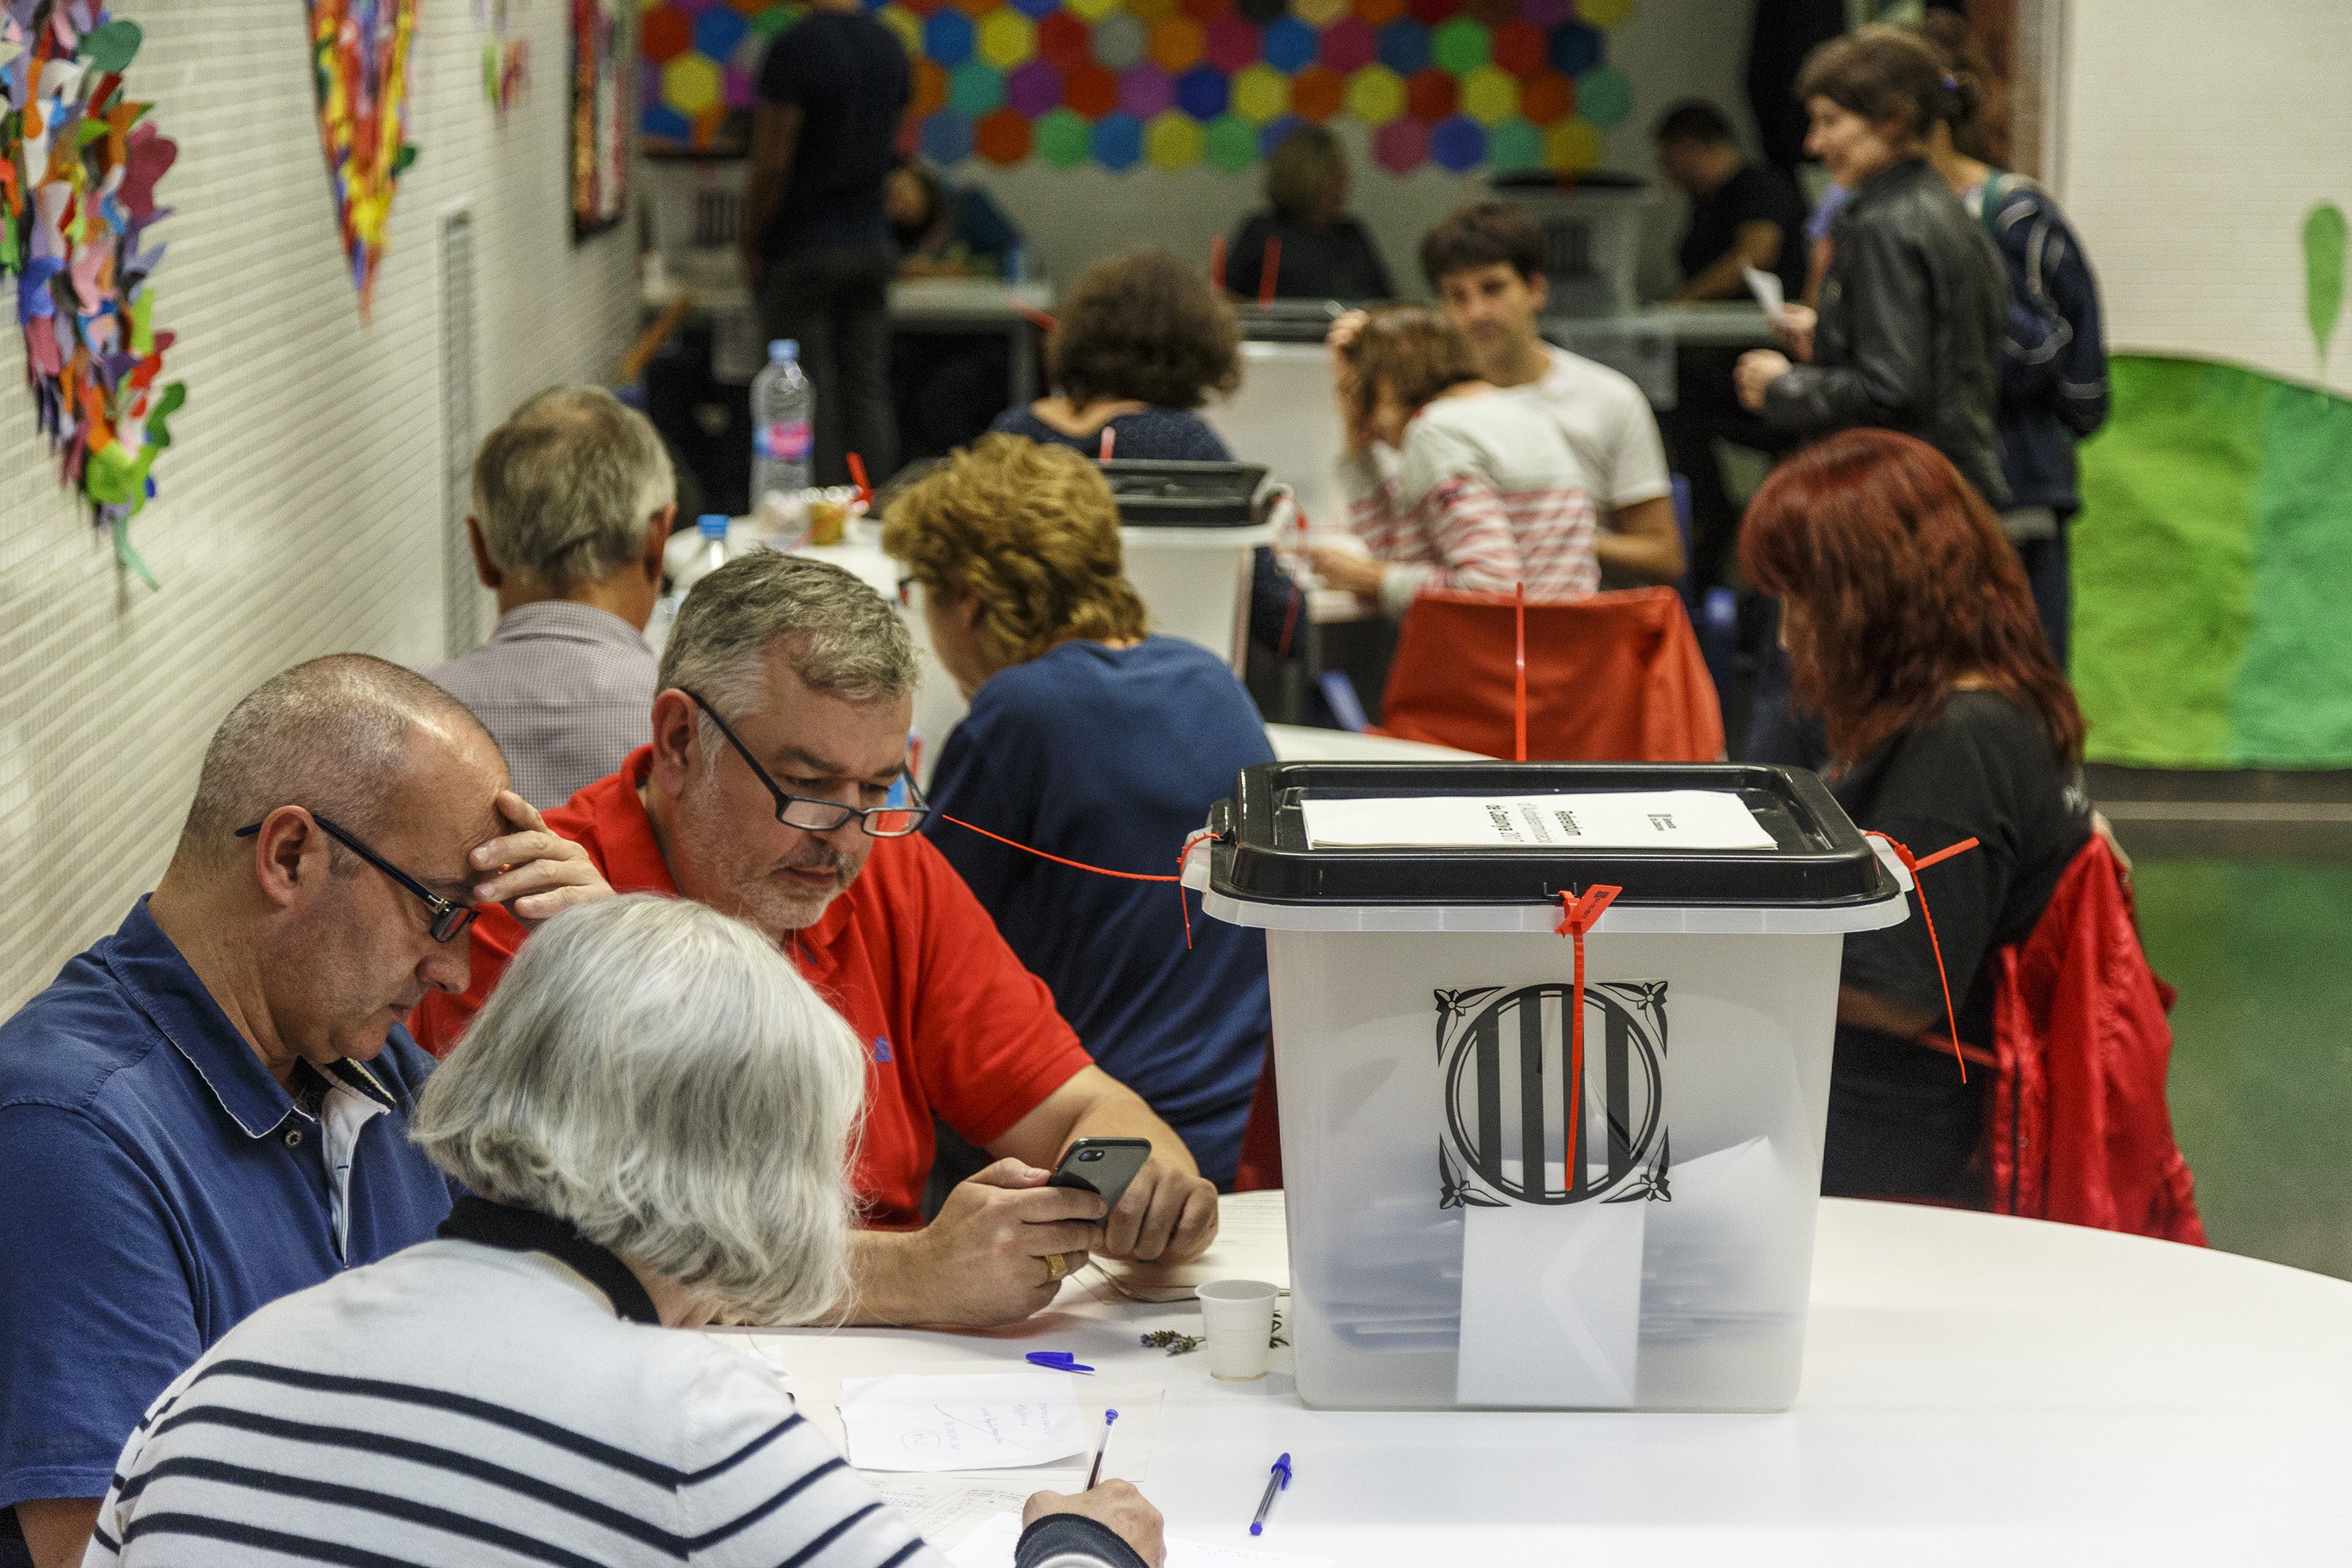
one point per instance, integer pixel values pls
(1510, 85)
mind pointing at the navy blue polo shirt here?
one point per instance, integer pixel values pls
(161, 1186)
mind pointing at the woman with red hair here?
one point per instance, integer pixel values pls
(1910, 627)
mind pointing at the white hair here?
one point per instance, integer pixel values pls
(565, 489)
(659, 1075)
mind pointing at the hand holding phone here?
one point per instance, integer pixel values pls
(1103, 1166)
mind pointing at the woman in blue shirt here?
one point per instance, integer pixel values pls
(1090, 738)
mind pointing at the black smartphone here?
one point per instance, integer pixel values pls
(1103, 1166)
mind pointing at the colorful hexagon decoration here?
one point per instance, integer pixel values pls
(1508, 85)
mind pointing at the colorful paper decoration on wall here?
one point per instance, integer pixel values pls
(1506, 85)
(600, 117)
(79, 165)
(2323, 239)
(506, 61)
(359, 56)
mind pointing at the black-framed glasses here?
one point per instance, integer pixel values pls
(813, 816)
(449, 920)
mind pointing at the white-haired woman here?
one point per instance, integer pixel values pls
(655, 1110)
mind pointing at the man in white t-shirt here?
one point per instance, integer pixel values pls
(1485, 261)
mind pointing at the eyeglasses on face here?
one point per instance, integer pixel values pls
(813, 816)
(449, 920)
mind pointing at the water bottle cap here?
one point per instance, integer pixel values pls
(713, 524)
(783, 348)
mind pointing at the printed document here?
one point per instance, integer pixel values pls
(1630, 819)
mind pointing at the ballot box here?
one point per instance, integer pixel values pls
(1187, 535)
(1487, 1206)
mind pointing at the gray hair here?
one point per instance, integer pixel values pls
(838, 635)
(564, 488)
(330, 735)
(659, 1075)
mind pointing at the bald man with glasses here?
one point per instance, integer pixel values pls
(208, 1109)
(775, 791)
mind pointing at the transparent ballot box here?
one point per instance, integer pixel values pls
(1475, 1222)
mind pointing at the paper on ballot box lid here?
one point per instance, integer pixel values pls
(1624, 819)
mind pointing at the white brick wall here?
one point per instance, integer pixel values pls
(2194, 139)
(301, 506)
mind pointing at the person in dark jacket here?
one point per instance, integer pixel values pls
(1910, 325)
(1325, 253)
(2053, 366)
(1909, 627)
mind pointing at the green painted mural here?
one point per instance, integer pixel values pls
(2213, 570)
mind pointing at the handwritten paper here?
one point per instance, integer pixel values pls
(1765, 287)
(1253, 1243)
(1651, 819)
(987, 1422)
(992, 1546)
(946, 1510)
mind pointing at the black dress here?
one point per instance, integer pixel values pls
(1901, 1122)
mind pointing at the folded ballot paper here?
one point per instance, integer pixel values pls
(1627, 819)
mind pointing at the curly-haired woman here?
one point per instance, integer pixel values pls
(1910, 625)
(1090, 739)
(1142, 342)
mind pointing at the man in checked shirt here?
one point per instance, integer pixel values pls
(574, 498)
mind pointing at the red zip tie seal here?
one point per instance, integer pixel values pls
(1576, 916)
(1914, 865)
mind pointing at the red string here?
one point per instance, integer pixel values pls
(1519, 672)
(1103, 448)
(1269, 267)
(1915, 866)
(1043, 321)
(1576, 918)
(1105, 870)
(1297, 594)
(858, 473)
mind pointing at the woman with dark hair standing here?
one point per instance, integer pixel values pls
(1909, 627)
(1908, 333)
(1142, 342)
(2053, 364)
(1325, 253)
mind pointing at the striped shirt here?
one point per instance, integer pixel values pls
(461, 1404)
(1485, 496)
(566, 689)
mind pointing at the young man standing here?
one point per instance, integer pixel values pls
(1485, 261)
(816, 239)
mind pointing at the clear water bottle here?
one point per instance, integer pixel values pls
(783, 414)
(710, 552)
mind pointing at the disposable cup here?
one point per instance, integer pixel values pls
(1238, 1318)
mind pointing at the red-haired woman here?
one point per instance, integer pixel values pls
(1910, 625)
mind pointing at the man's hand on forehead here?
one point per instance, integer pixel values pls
(533, 870)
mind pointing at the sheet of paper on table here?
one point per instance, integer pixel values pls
(1252, 1243)
(1765, 287)
(946, 1509)
(993, 1421)
(992, 1546)
(1630, 819)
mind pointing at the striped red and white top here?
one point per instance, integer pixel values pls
(1485, 496)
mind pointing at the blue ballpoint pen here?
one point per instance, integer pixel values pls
(1274, 1483)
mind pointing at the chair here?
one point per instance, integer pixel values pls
(1614, 677)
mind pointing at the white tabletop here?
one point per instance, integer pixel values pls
(1978, 1390)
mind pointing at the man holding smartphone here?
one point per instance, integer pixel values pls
(779, 729)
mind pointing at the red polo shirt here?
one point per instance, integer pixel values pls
(954, 1027)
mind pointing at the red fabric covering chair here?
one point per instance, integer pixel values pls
(2079, 1130)
(1617, 678)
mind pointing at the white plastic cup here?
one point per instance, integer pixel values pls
(1238, 1317)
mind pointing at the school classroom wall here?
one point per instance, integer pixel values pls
(302, 508)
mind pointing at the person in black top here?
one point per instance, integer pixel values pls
(1742, 214)
(1912, 306)
(1910, 627)
(1325, 253)
(817, 251)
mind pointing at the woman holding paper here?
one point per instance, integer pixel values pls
(1908, 334)
(1908, 623)
(653, 1111)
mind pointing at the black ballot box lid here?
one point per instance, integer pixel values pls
(1170, 494)
(1819, 859)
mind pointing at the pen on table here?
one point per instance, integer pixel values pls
(1094, 1472)
(1275, 1480)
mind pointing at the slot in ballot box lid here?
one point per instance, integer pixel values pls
(1167, 493)
(1711, 846)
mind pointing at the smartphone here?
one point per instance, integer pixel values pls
(1103, 1166)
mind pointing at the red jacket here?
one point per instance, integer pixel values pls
(2078, 1129)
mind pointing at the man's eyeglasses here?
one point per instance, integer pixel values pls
(813, 816)
(449, 920)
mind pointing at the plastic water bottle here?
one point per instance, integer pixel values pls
(710, 552)
(783, 411)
